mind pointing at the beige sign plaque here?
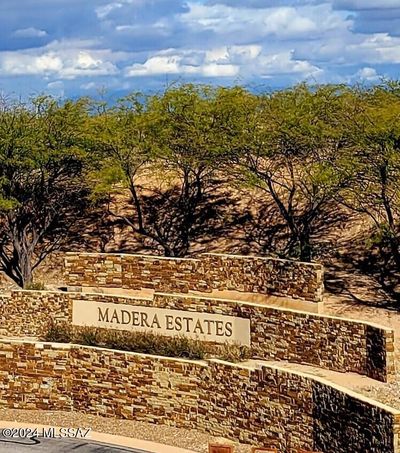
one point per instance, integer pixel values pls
(204, 326)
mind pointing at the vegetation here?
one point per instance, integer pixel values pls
(305, 151)
(42, 189)
(179, 140)
(144, 342)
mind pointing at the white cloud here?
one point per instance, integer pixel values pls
(177, 64)
(59, 60)
(16, 63)
(219, 70)
(103, 11)
(156, 65)
(88, 86)
(30, 32)
(233, 53)
(283, 41)
(218, 54)
(367, 74)
(224, 62)
(248, 52)
(56, 88)
(284, 64)
(377, 48)
(284, 22)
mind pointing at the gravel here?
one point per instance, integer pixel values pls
(388, 394)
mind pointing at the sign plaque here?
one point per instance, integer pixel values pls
(203, 326)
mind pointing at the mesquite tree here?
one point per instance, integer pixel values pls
(373, 128)
(166, 150)
(41, 186)
(290, 146)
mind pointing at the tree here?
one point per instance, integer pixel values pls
(373, 127)
(166, 150)
(42, 161)
(292, 149)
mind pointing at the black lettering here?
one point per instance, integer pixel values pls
(228, 329)
(135, 318)
(219, 328)
(143, 319)
(125, 317)
(187, 323)
(178, 323)
(169, 325)
(209, 323)
(114, 317)
(156, 322)
(198, 327)
(103, 316)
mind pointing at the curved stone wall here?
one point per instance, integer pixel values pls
(275, 333)
(260, 405)
(208, 273)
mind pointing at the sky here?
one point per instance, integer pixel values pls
(82, 47)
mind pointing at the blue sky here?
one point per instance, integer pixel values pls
(76, 47)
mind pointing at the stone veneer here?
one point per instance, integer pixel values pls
(276, 334)
(256, 404)
(208, 273)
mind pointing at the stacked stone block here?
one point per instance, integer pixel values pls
(260, 405)
(276, 334)
(207, 273)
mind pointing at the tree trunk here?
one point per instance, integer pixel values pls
(305, 246)
(25, 265)
(394, 248)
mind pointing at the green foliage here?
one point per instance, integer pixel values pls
(290, 145)
(35, 286)
(43, 157)
(141, 342)
(233, 352)
(58, 332)
(144, 342)
(304, 148)
(170, 147)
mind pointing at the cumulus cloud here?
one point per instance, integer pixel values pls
(120, 43)
(224, 62)
(174, 64)
(282, 22)
(367, 74)
(30, 32)
(366, 4)
(58, 60)
(378, 48)
(285, 63)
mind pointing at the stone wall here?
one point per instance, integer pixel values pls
(276, 334)
(208, 273)
(260, 405)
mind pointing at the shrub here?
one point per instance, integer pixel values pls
(145, 343)
(35, 286)
(142, 342)
(59, 332)
(233, 352)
